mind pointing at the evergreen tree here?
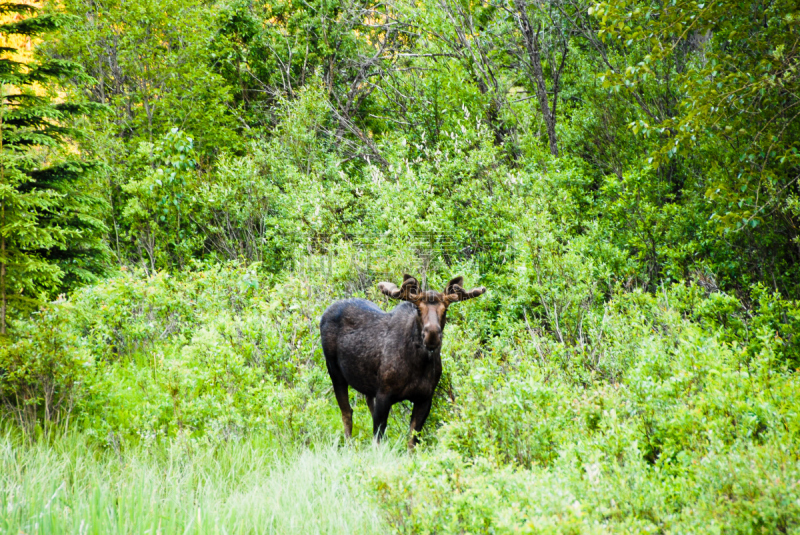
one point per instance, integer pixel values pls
(50, 236)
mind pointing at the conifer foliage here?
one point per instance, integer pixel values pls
(50, 235)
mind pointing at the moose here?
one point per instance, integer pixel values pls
(389, 356)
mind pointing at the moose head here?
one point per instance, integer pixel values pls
(431, 305)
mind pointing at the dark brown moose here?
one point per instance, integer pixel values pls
(389, 356)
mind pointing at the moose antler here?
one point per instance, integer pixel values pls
(454, 291)
(408, 291)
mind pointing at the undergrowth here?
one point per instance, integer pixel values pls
(199, 402)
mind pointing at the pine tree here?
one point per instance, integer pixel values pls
(51, 237)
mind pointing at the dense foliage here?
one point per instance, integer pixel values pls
(51, 231)
(675, 124)
(621, 175)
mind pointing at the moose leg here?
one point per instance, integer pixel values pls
(418, 416)
(380, 414)
(342, 398)
(371, 404)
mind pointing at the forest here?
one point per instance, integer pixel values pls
(186, 185)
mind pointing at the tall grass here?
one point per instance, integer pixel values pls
(70, 486)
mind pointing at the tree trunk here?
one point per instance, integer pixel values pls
(531, 39)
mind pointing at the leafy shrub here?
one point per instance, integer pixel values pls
(158, 209)
(46, 370)
(561, 285)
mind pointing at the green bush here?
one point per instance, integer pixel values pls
(46, 371)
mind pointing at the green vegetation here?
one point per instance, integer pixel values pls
(192, 183)
(187, 488)
(51, 235)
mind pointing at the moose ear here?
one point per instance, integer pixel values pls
(456, 292)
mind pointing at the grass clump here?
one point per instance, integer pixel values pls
(71, 486)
